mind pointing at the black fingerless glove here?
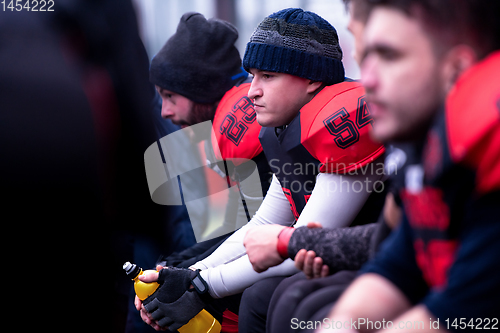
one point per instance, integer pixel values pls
(174, 303)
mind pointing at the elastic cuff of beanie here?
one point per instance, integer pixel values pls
(279, 59)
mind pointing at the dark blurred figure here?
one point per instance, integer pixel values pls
(75, 121)
(148, 248)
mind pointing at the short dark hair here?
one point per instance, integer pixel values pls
(474, 22)
(362, 10)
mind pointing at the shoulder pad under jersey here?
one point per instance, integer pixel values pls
(473, 122)
(335, 128)
(236, 130)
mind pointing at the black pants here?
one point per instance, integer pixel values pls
(270, 304)
(254, 305)
(298, 300)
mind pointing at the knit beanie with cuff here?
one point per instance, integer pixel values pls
(296, 42)
(200, 61)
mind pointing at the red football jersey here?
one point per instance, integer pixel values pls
(335, 128)
(329, 135)
(473, 122)
(236, 130)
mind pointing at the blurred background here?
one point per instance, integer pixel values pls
(158, 19)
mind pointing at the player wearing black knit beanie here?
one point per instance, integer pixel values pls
(199, 77)
(200, 60)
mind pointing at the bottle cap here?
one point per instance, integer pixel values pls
(132, 270)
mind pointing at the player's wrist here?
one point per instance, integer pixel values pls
(283, 240)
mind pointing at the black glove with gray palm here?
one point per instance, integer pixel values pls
(182, 294)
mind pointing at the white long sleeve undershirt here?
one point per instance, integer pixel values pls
(335, 202)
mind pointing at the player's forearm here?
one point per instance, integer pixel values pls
(340, 249)
(234, 277)
(338, 246)
(417, 319)
(370, 296)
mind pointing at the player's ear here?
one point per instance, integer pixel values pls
(457, 61)
(313, 86)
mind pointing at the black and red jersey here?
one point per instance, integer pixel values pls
(236, 130)
(461, 163)
(235, 136)
(330, 134)
(446, 253)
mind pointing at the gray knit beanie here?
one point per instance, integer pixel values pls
(199, 61)
(296, 42)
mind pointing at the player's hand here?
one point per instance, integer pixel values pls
(261, 246)
(307, 261)
(311, 265)
(182, 294)
(146, 316)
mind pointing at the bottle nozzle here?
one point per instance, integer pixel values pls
(132, 270)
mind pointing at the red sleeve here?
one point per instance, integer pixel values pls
(473, 122)
(335, 129)
(236, 131)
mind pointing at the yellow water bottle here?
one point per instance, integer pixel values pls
(203, 322)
